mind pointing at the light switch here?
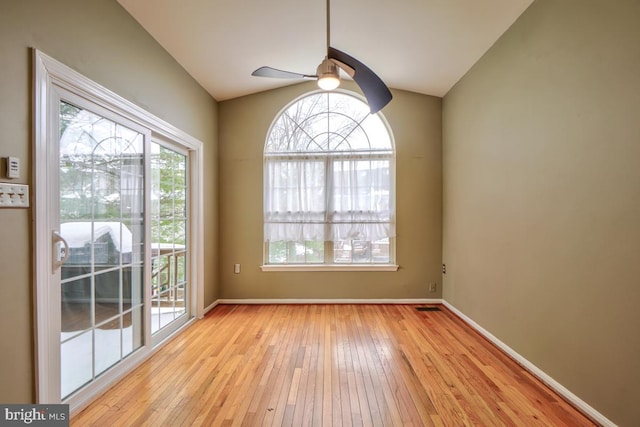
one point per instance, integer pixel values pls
(14, 195)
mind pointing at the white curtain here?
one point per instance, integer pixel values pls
(328, 198)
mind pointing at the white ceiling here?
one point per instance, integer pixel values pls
(423, 46)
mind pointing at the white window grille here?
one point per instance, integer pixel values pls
(329, 184)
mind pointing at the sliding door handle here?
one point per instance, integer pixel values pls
(59, 256)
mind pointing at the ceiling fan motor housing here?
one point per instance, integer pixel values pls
(328, 75)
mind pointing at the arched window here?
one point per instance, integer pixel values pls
(329, 191)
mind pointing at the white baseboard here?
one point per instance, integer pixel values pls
(535, 371)
(327, 301)
(210, 307)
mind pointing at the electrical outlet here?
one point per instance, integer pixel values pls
(433, 287)
(14, 195)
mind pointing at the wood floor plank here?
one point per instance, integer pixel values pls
(329, 365)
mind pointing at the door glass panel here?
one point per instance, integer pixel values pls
(107, 295)
(132, 331)
(102, 219)
(168, 231)
(132, 280)
(180, 304)
(76, 306)
(75, 362)
(107, 345)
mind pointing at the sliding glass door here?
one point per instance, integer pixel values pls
(101, 214)
(123, 268)
(118, 226)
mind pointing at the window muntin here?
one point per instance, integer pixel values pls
(329, 184)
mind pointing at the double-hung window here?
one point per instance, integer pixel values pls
(329, 184)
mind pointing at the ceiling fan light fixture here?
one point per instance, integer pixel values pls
(328, 75)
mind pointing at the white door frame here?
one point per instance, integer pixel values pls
(49, 75)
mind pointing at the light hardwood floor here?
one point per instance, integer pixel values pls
(331, 365)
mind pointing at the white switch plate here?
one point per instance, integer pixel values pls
(14, 195)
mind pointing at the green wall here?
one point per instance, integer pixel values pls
(529, 165)
(101, 40)
(416, 123)
(542, 196)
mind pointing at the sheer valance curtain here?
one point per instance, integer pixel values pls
(329, 197)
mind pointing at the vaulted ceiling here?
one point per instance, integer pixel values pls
(422, 46)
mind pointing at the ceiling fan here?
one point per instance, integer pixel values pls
(328, 75)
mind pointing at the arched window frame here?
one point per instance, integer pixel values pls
(344, 236)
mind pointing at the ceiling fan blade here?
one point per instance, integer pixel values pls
(280, 74)
(377, 93)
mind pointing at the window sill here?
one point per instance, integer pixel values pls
(329, 267)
